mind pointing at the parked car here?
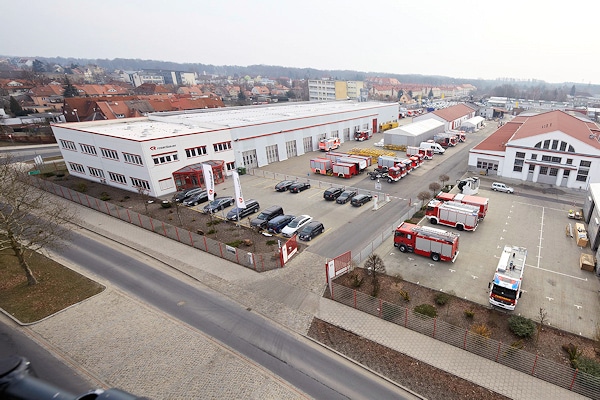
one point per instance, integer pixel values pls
(361, 199)
(298, 187)
(279, 222)
(265, 216)
(283, 185)
(332, 193)
(218, 204)
(501, 187)
(346, 196)
(179, 197)
(296, 225)
(196, 198)
(311, 230)
(252, 206)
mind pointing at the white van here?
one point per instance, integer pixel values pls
(436, 147)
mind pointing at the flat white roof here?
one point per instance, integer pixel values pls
(161, 125)
(417, 128)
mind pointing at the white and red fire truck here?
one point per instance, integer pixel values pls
(425, 241)
(427, 154)
(457, 215)
(344, 170)
(505, 289)
(388, 161)
(394, 174)
(477, 201)
(329, 144)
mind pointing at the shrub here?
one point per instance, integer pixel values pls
(518, 344)
(271, 242)
(210, 232)
(426, 309)
(104, 196)
(48, 174)
(482, 330)
(213, 222)
(235, 243)
(573, 352)
(521, 326)
(470, 313)
(441, 298)
(81, 187)
(356, 280)
(587, 365)
(404, 294)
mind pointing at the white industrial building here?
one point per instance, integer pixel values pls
(452, 117)
(553, 147)
(413, 134)
(145, 152)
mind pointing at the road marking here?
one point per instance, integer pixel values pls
(550, 298)
(451, 270)
(558, 273)
(474, 277)
(578, 306)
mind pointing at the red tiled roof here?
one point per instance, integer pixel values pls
(525, 126)
(453, 113)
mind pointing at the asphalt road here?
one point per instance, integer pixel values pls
(307, 366)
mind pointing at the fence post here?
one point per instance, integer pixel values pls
(151, 224)
(129, 216)
(164, 229)
(498, 354)
(177, 234)
(205, 244)
(118, 213)
(534, 364)
(573, 381)
(140, 219)
(191, 238)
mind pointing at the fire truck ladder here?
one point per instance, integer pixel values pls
(436, 233)
(461, 207)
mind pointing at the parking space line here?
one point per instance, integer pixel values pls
(557, 273)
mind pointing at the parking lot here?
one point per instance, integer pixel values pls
(552, 279)
(529, 218)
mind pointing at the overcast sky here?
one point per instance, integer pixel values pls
(554, 41)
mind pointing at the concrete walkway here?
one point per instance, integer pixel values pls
(143, 351)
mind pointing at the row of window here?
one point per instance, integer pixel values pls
(582, 171)
(137, 160)
(113, 176)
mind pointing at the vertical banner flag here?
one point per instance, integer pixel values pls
(239, 197)
(209, 181)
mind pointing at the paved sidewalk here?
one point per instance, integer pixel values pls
(290, 296)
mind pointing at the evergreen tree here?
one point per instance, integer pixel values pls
(70, 90)
(15, 107)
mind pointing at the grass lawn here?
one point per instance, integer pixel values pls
(58, 287)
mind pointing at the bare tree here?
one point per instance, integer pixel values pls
(145, 194)
(424, 196)
(375, 266)
(444, 178)
(31, 219)
(435, 188)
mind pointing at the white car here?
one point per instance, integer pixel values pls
(501, 187)
(295, 225)
(379, 144)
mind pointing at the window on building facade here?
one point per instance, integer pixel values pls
(132, 159)
(585, 164)
(230, 166)
(534, 156)
(543, 170)
(583, 171)
(108, 153)
(117, 178)
(223, 146)
(166, 183)
(546, 144)
(553, 171)
(566, 173)
(196, 151)
(140, 183)
(520, 154)
(165, 158)
(67, 144)
(556, 160)
(546, 158)
(77, 167)
(335, 134)
(87, 149)
(531, 168)
(556, 144)
(569, 161)
(98, 173)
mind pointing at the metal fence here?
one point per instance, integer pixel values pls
(532, 364)
(257, 262)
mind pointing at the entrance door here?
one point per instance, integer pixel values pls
(374, 125)
(249, 159)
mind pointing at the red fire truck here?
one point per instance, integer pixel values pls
(362, 135)
(394, 174)
(329, 144)
(387, 161)
(321, 166)
(477, 201)
(426, 241)
(505, 289)
(457, 215)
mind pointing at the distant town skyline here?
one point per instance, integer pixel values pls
(464, 39)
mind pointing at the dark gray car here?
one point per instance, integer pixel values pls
(252, 206)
